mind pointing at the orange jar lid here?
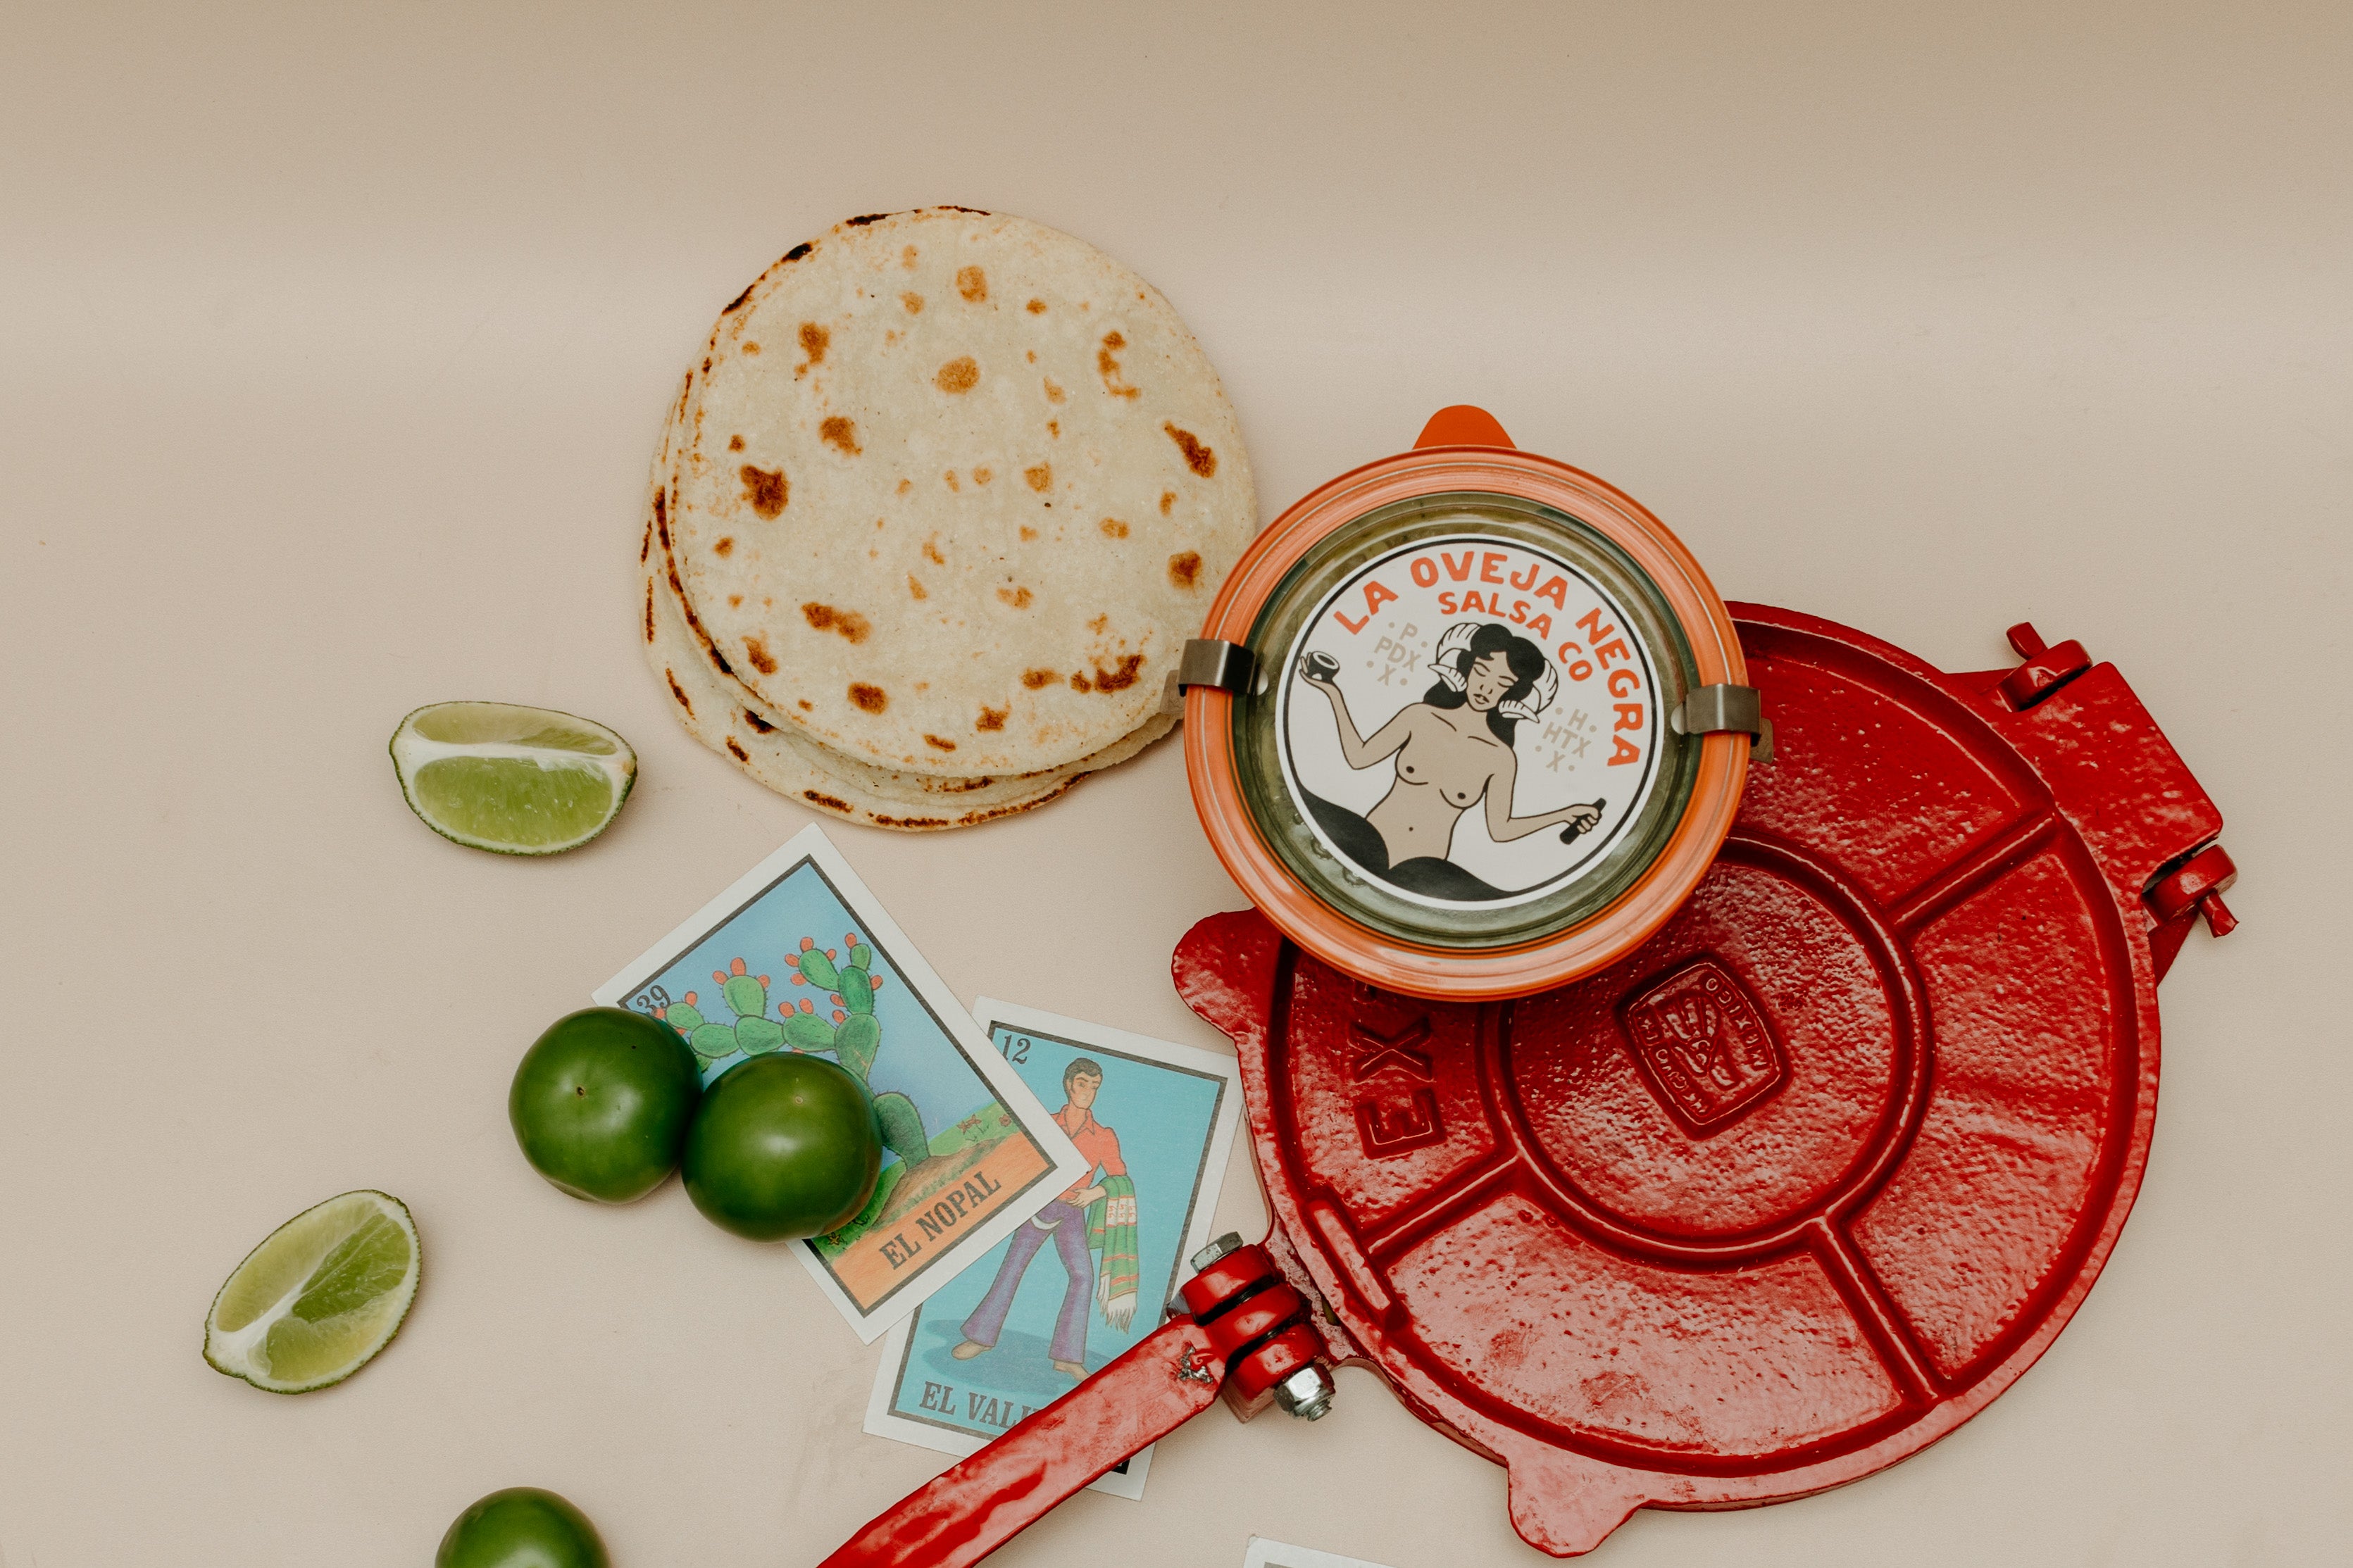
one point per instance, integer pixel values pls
(1467, 722)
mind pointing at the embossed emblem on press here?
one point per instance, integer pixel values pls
(1703, 1047)
(1387, 1128)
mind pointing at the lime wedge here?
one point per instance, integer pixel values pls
(515, 781)
(313, 1304)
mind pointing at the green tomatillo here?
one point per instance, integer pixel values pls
(602, 1101)
(522, 1527)
(785, 1146)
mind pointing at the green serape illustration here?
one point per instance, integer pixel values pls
(1111, 1230)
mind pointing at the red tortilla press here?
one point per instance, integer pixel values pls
(1801, 1178)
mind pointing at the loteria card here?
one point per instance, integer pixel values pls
(798, 956)
(1086, 1278)
(1265, 1553)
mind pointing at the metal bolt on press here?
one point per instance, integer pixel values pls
(1257, 1321)
(1307, 1393)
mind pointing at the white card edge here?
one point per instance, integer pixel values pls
(1297, 1556)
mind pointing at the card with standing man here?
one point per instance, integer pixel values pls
(1085, 1279)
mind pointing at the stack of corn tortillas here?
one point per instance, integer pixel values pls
(933, 516)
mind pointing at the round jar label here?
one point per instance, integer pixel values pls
(1470, 722)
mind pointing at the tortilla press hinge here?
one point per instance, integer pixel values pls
(2179, 898)
(2046, 668)
(2185, 889)
(1717, 710)
(1258, 1322)
(1213, 661)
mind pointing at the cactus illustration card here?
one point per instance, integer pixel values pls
(1084, 1280)
(799, 956)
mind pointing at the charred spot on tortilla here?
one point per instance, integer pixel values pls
(661, 515)
(1167, 499)
(723, 547)
(757, 652)
(737, 303)
(958, 375)
(1079, 681)
(863, 219)
(914, 301)
(694, 624)
(931, 552)
(649, 609)
(991, 718)
(1107, 367)
(1198, 457)
(1041, 477)
(679, 692)
(1034, 679)
(937, 742)
(1028, 533)
(907, 259)
(1054, 393)
(751, 348)
(839, 434)
(815, 340)
(807, 706)
(982, 476)
(740, 754)
(1017, 596)
(1118, 680)
(734, 443)
(825, 618)
(646, 548)
(794, 254)
(872, 699)
(1113, 528)
(1036, 307)
(1054, 429)
(915, 588)
(1185, 570)
(827, 801)
(972, 283)
(767, 490)
(758, 723)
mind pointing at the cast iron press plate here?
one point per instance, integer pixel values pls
(1813, 1175)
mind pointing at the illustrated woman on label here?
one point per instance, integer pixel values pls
(1452, 748)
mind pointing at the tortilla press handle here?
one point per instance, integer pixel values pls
(1239, 1315)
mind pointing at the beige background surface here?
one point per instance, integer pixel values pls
(332, 351)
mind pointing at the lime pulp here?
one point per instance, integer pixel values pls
(510, 779)
(318, 1298)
